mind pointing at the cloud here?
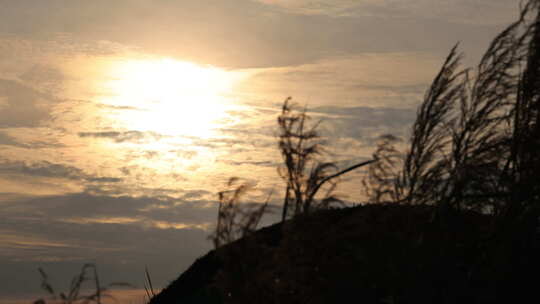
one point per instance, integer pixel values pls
(112, 231)
(113, 107)
(42, 169)
(105, 179)
(95, 209)
(115, 232)
(375, 79)
(48, 78)
(28, 242)
(7, 140)
(120, 251)
(353, 131)
(195, 194)
(270, 164)
(461, 11)
(247, 34)
(38, 178)
(369, 117)
(23, 106)
(120, 137)
(17, 139)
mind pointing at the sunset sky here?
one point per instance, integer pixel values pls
(120, 120)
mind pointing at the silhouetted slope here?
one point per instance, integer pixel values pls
(195, 285)
(371, 254)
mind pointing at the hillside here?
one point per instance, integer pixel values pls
(367, 254)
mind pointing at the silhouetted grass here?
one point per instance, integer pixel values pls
(236, 219)
(148, 286)
(304, 173)
(77, 293)
(474, 144)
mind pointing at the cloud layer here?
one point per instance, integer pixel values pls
(463, 11)
(82, 180)
(252, 34)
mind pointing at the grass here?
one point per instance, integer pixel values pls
(475, 139)
(303, 172)
(85, 287)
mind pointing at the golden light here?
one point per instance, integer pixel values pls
(168, 96)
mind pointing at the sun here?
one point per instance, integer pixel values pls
(168, 96)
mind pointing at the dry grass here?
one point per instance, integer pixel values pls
(475, 141)
(304, 173)
(84, 288)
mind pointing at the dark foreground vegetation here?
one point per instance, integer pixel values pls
(376, 253)
(453, 218)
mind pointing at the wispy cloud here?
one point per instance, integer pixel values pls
(114, 228)
(53, 170)
(43, 169)
(461, 11)
(43, 233)
(125, 136)
(299, 31)
(376, 79)
(92, 209)
(8, 140)
(48, 78)
(23, 106)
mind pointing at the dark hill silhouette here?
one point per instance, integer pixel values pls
(365, 254)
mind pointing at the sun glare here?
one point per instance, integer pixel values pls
(168, 96)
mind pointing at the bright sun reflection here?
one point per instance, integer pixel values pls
(168, 96)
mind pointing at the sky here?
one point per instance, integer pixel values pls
(121, 120)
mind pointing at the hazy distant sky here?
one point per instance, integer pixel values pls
(103, 160)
